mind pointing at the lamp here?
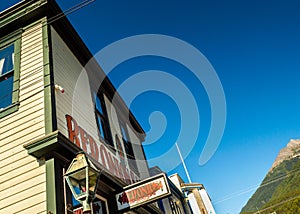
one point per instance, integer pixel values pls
(83, 178)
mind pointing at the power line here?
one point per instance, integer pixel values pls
(51, 20)
(277, 204)
(184, 166)
(70, 10)
(253, 187)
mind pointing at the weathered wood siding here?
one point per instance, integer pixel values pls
(77, 101)
(138, 153)
(22, 178)
(136, 143)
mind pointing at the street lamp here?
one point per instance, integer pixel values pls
(83, 178)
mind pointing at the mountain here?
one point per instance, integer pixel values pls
(279, 192)
(291, 151)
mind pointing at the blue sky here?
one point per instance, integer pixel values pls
(254, 47)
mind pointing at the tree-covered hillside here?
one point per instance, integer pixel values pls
(279, 192)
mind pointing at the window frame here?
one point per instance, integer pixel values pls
(13, 38)
(78, 208)
(128, 146)
(103, 117)
(174, 207)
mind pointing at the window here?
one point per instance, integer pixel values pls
(119, 149)
(6, 73)
(127, 143)
(102, 121)
(99, 206)
(128, 146)
(174, 206)
(9, 75)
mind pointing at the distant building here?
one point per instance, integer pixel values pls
(188, 198)
(176, 203)
(196, 195)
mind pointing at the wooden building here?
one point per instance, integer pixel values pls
(50, 110)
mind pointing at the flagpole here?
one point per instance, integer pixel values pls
(184, 166)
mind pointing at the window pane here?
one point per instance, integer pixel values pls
(101, 130)
(99, 206)
(6, 89)
(6, 59)
(124, 133)
(98, 104)
(1, 65)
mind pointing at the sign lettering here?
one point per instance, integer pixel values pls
(99, 152)
(143, 192)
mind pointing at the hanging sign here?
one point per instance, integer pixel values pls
(143, 192)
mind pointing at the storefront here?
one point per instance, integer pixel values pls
(55, 110)
(57, 104)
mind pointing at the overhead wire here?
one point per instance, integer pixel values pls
(32, 32)
(253, 187)
(277, 204)
(70, 10)
(51, 20)
(80, 6)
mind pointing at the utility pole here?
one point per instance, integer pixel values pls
(184, 166)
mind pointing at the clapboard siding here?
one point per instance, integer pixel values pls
(34, 209)
(7, 158)
(138, 152)
(26, 104)
(26, 113)
(22, 177)
(29, 133)
(19, 171)
(67, 71)
(30, 67)
(19, 180)
(31, 119)
(32, 90)
(29, 116)
(29, 80)
(77, 102)
(32, 43)
(37, 197)
(15, 165)
(21, 187)
(33, 124)
(19, 196)
(34, 57)
(31, 49)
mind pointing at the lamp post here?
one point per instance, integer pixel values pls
(83, 178)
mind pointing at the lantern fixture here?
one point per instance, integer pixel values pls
(83, 178)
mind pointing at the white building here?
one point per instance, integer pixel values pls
(198, 198)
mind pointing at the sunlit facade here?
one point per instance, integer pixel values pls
(50, 111)
(195, 194)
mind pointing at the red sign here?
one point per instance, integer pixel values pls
(99, 152)
(143, 192)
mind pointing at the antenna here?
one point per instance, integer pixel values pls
(184, 166)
